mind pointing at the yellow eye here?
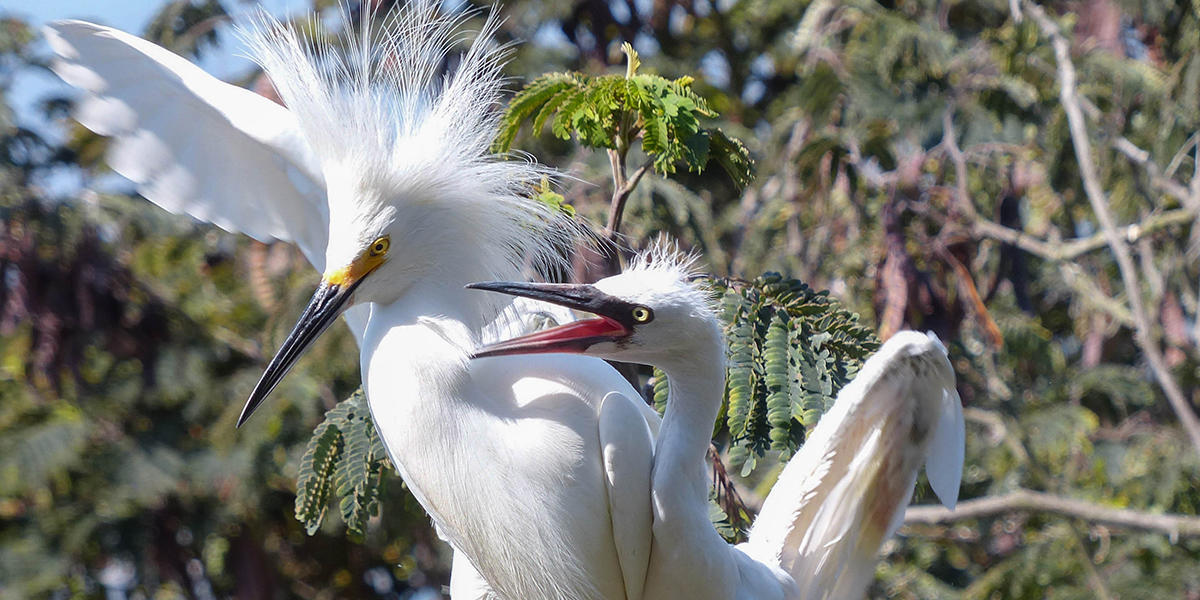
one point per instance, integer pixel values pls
(641, 314)
(380, 246)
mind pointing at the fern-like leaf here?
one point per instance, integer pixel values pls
(732, 155)
(354, 466)
(776, 360)
(739, 382)
(532, 99)
(790, 349)
(316, 475)
(345, 458)
(660, 391)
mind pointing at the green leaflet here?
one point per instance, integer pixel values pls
(731, 154)
(316, 475)
(739, 379)
(346, 456)
(660, 391)
(534, 97)
(776, 362)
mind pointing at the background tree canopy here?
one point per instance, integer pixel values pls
(1020, 178)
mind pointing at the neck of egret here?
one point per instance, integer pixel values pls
(839, 498)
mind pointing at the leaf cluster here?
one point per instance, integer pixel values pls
(790, 349)
(612, 111)
(346, 457)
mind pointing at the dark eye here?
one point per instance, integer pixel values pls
(380, 246)
(641, 314)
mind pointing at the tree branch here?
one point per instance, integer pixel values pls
(1143, 334)
(1031, 501)
(1165, 184)
(622, 187)
(1069, 249)
(1073, 248)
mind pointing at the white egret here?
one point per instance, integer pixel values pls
(837, 500)
(379, 169)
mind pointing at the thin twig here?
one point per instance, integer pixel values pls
(1031, 501)
(1142, 159)
(1070, 249)
(1177, 160)
(1143, 334)
(1014, 6)
(622, 188)
(960, 165)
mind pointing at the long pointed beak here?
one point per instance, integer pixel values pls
(326, 305)
(611, 323)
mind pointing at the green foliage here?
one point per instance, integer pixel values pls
(344, 456)
(315, 478)
(546, 195)
(611, 111)
(790, 350)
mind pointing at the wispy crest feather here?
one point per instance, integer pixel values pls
(664, 264)
(376, 108)
(367, 95)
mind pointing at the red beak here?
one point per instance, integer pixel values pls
(575, 337)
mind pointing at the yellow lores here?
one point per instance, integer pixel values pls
(359, 267)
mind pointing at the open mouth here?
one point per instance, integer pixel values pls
(575, 337)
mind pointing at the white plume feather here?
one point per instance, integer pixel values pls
(391, 131)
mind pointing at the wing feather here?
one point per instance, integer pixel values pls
(193, 144)
(944, 466)
(845, 492)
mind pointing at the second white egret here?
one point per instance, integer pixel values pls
(837, 500)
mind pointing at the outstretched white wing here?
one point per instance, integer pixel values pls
(194, 144)
(846, 490)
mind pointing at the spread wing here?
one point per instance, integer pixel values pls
(194, 144)
(846, 490)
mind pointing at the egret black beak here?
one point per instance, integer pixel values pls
(326, 305)
(615, 318)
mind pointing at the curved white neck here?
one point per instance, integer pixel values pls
(430, 332)
(680, 483)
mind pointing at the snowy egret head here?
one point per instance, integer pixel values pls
(652, 313)
(413, 195)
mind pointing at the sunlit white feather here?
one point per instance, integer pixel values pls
(837, 500)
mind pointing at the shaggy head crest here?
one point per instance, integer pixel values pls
(666, 273)
(399, 136)
(664, 257)
(376, 93)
